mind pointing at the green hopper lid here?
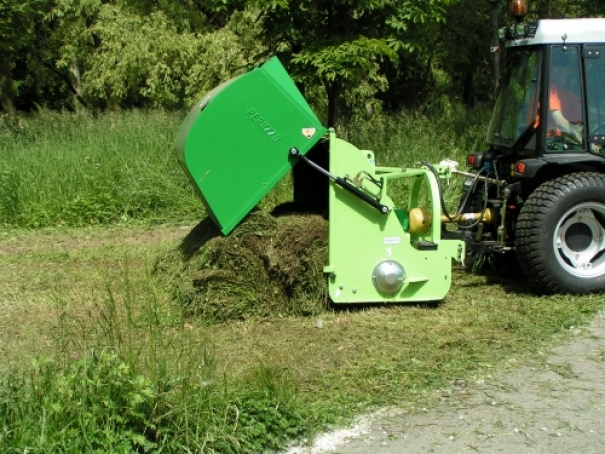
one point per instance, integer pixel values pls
(234, 144)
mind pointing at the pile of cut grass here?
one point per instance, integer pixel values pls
(268, 266)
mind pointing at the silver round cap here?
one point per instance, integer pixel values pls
(388, 277)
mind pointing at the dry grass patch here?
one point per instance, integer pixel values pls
(51, 272)
(385, 355)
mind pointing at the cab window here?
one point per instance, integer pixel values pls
(565, 123)
(516, 108)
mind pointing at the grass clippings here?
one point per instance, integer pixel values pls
(268, 266)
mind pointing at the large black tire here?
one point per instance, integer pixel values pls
(560, 235)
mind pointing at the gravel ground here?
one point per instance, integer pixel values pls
(553, 406)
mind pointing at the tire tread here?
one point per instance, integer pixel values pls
(529, 227)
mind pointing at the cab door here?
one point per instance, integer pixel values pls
(594, 70)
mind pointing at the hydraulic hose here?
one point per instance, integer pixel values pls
(463, 204)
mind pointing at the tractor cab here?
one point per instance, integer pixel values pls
(551, 99)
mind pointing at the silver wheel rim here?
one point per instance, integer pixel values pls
(579, 240)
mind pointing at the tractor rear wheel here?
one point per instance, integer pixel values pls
(560, 235)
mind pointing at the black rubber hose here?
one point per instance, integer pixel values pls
(459, 212)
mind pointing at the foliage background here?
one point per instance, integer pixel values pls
(348, 56)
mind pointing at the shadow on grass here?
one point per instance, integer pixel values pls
(360, 307)
(198, 237)
(512, 284)
(504, 271)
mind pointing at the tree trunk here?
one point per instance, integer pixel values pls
(427, 74)
(495, 45)
(6, 92)
(468, 92)
(77, 85)
(333, 91)
(75, 89)
(111, 103)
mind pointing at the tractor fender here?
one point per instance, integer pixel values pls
(553, 166)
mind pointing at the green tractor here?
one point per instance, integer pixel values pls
(543, 176)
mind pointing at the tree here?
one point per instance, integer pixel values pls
(594, 8)
(18, 20)
(559, 9)
(343, 44)
(123, 57)
(126, 53)
(465, 50)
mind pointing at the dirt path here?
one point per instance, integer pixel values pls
(552, 406)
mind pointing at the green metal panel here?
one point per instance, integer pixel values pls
(361, 237)
(234, 144)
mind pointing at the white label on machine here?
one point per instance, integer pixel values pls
(392, 240)
(308, 132)
(468, 216)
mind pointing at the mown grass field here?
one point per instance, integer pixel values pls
(98, 357)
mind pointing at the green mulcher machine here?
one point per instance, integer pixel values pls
(242, 138)
(537, 193)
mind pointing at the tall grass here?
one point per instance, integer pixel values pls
(83, 169)
(407, 138)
